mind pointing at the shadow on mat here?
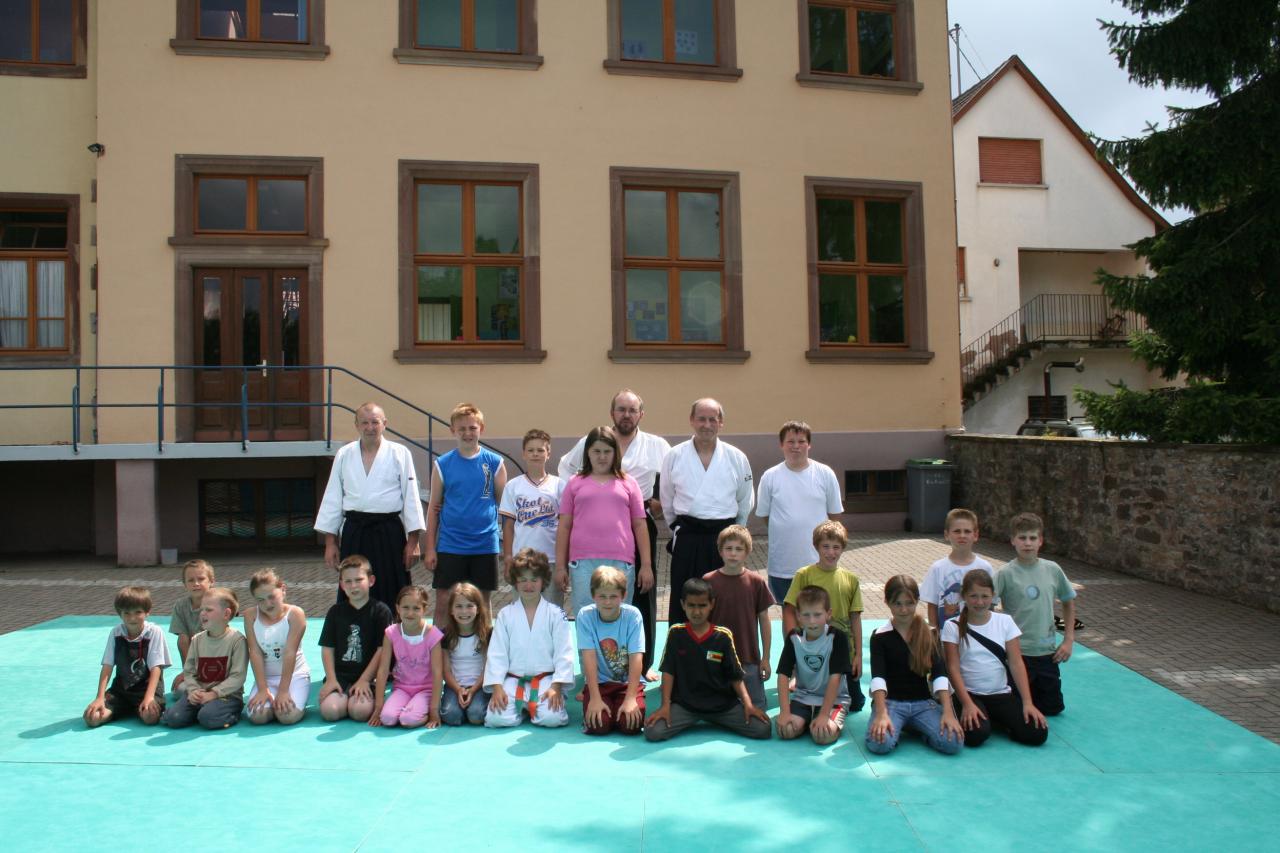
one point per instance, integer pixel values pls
(51, 729)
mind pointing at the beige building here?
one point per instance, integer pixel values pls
(523, 203)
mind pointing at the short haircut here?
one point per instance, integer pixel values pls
(197, 564)
(133, 598)
(226, 596)
(534, 435)
(369, 406)
(961, 514)
(1026, 522)
(530, 561)
(795, 426)
(614, 401)
(735, 531)
(812, 595)
(465, 410)
(830, 530)
(708, 401)
(697, 586)
(608, 576)
(262, 577)
(357, 563)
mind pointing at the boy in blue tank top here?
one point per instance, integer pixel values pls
(462, 516)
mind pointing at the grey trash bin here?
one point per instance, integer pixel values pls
(928, 494)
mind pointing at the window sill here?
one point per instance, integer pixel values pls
(252, 49)
(854, 505)
(39, 359)
(685, 70)
(1003, 186)
(469, 355)
(869, 356)
(865, 84)
(474, 59)
(678, 354)
(250, 240)
(966, 298)
(32, 69)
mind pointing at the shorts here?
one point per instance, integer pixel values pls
(809, 713)
(478, 569)
(123, 705)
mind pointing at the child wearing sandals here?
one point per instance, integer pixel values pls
(274, 630)
(983, 650)
(415, 647)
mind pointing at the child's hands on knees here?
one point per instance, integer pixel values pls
(433, 719)
(375, 719)
(663, 713)
(361, 690)
(283, 703)
(555, 699)
(597, 710)
(971, 716)
(1031, 714)
(629, 712)
(881, 727)
(789, 725)
(199, 697)
(498, 701)
(263, 699)
(749, 711)
(328, 687)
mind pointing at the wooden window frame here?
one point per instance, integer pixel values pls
(529, 348)
(725, 68)
(526, 58)
(987, 179)
(76, 68)
(731, 347)
(189, 168)
(189, 43)
(251, 205)
(915, 313)
(962, 273)
(70, 255)
(904, 49)
(872, 500)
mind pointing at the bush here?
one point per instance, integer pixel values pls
(1201, 413)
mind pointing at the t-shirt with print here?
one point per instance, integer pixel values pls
(984, 673)
(535, 508)
(841, 586)
(135, 658)
(355, 636)
(468, 522)
(185, 618)
(941, 585)
(613, 642)
(738, 604)
(813, 662)
(1027, 594)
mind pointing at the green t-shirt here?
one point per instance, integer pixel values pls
(841, 585)
(185, 618)
(1026, 593)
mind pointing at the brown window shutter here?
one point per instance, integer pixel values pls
(960, 266)
(1009, 161)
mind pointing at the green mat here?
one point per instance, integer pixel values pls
(1130, 766)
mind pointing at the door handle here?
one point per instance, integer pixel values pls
(263, 365)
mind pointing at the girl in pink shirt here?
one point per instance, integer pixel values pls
(419, 663)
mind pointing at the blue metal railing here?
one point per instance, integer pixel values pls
(243, 405)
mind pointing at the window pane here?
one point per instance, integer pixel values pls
(439, 303)
(51, 295)
(222, 19)
(875, 44)
(497, 220)
(440, 219)
(282, 205)
(33, 229)
(51, 334)
(290, 320)
(497, 25)
(646, 218)
(701, 311)
(498, 303)
(15, 35)
(885, 309)
(695, 31)
(836, 238)
(13, 304)
(828, 40)
(699, 225)
(222, 204)
(439, 23)
(647, 317)
(837, 309)
(884, 232)
(857, 482)
(642, 29)
(251, 320)
(55, 31)
(284, 20)
(212, 316)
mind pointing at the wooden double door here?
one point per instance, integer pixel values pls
(249, 324)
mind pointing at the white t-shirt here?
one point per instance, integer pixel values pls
(983, 672)
(942, 584)
(536, 510)
(795, 502)
(466, 660)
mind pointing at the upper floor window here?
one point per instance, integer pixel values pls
(38, 275)
(1009, 161)
(43, 38)
(682, 38)
(278, 29)
(250, 205)
(858, 44)
(501, 33)
(248, 200)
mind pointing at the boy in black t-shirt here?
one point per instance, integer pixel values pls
(701, 676)
(351, 645)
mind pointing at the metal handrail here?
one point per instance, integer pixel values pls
(243, 405)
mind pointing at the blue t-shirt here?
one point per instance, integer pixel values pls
(469, 516)
(613, 642)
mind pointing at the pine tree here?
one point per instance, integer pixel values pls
(1212, 300)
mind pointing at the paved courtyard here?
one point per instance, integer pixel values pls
(1221, 655)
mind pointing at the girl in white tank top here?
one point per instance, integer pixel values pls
(274, 630)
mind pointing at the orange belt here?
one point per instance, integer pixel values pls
(527, 689)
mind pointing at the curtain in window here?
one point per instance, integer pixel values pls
(51, 302)
(13, 304)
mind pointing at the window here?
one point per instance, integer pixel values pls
(497, 33)
(677, 265)
(875, 491)
(248, 199)
(257, 511)
(867, 44)
(469, 262)
(1009, 161)
(673, 38)
(275, 29)
(866, 277)
(961, 280)
(39, 276)
(43, 38)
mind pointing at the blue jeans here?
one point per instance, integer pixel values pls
(922, 715)
(451, 713)
(580, 581)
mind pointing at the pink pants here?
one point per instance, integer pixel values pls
(406, 707)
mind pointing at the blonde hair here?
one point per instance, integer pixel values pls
(735, 531)
(262, 577)
(830, 530)
(961, 514)
(921, 639)
(226, 596)
(608, 576)
(465, 410)
(197, 564)
(355, 561)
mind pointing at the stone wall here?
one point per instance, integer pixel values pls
(1201, 517)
